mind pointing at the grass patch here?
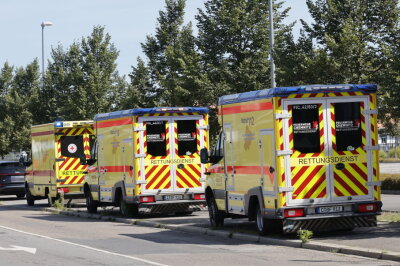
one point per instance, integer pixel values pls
(391, 217)
(392, 155)
(389, 160)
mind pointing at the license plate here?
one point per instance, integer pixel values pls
(329, 209)
(172, 197)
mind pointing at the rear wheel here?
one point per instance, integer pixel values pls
(216, 217)
(261, 222)
(30, 200)
(91, 204)
(127, 210)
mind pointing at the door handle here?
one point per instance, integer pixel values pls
(340, 166)
(271, 169)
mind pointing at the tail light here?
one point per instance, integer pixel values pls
(144, 199)
(199, 196)
(371, 207)
(63, 190)
(293, 213)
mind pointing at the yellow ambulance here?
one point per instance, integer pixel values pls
(148, 159)
(295, 158)
(55, 170)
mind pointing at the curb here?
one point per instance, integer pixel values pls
(313, 245)
(391, 192)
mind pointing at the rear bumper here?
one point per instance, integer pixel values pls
(350, 217)
(172, 206)
(74, 195)
(324, 224)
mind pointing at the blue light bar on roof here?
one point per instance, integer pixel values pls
(327, 87)
(171, 109)
(58, 124)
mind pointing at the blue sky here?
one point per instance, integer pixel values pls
(127, 21)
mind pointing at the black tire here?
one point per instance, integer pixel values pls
(261, 222)
(91, 204)
(127, 210)
(20, 195)
(216, 217)
(30, 200)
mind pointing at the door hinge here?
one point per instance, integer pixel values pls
(136, 129)
(371, 148)
(206, 127)
(141, 155)
(286, 189)
(284, 152)
(283, 116)
(140, 182)
(373, 183)
(370, 112)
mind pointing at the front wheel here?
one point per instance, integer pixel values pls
(30, 200)
(91, 204)
(216, 217)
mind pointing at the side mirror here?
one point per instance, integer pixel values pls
(204, 156)
(83, 161)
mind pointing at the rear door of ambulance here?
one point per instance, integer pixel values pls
(72, 144)
(327, 158)
(170, 148)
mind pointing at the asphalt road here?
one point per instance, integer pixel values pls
(30, 236)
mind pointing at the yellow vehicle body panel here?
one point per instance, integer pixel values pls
(148, 152)
(56, 152)
(289, 148)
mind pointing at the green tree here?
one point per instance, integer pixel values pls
(138, 94)
(234, 42)
(173, 75)
(19, 88)
(15, 124)
(6, 78)
(353, 36)
(82, 80)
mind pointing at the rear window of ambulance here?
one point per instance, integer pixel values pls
(72, 146)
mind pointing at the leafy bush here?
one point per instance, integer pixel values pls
(394, 153)
(304, 235)
(383, 154)
(391, 184)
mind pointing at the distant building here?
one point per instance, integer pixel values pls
(385, 140)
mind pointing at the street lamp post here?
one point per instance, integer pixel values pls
(44, 24)
(271, 43)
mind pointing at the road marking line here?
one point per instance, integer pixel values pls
(84, 246)
(19, 248)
